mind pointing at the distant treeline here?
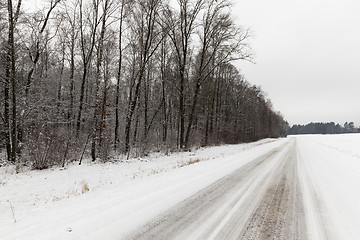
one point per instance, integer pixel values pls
(323, 128)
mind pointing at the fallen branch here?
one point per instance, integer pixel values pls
(12, 210)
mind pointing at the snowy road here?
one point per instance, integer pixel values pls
(260, 200)
(303, 187)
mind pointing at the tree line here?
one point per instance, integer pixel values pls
(323, 128)
(104, 77)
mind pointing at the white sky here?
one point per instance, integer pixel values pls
(307, 56)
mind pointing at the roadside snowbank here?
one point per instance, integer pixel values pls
(56, 203)
(105, 201)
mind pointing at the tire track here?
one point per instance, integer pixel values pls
(261, 200)
(316, 217)
(280, 214)
(185, 218)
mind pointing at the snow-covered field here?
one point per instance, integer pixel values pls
(106, 201)
(332, 166)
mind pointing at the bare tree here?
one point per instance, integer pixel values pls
(124, 4)
(11, 81)
(88, 27)
(145, 30)
(221, 42)
(71, 32)
(183, 27)
(37, 48)
(98, 104)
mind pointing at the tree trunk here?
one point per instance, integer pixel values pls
(102, 126)
(129, 116)
(146, 101)
(116, 140)
(72, 70)
(81, 101)
(7, 108)
(97, 109)
(60, 78)
(11, 51)
(217, 111)
(137, 114)
(146, 40)
(86, 58)
(165, 127)
(182, 111)
(192, 114)
(208, 117)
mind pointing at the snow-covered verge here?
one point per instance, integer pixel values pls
(106, 201)
(330, 164)
(94, 201)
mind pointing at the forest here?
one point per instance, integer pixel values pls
(323, 128)
(95, 79)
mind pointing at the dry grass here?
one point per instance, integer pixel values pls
(84, 187)
(187, 163)
(70, 193)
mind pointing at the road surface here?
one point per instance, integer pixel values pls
(261, 200)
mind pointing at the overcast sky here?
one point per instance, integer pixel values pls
(307, 56)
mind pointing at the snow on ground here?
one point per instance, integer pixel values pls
(56, 204)
(331, 164)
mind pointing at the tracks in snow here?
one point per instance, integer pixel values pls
(261, 200)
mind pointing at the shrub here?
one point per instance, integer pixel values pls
(47, 146)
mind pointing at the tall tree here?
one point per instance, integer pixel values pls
(182, 25)
(37, 48)
(88, 26)
(71, 28)
(124, 4)
(99, 59)
(221, 42)
(147, 34)
(11, 80)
